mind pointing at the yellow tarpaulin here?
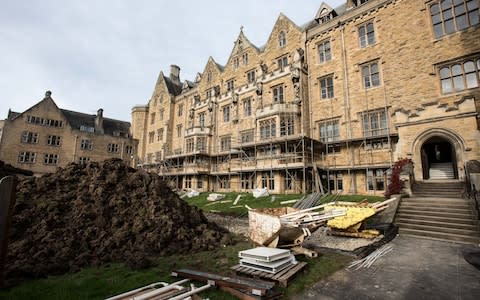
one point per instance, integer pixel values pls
(354, 216)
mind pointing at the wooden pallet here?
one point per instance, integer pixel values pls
(282, 277)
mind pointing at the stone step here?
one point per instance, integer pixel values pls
(440, 229)
(434, 223)
(437, 194)
(436, 203)
(468, 215)
(441, 235)
(437, 239)
(456, 210)
(435, 218)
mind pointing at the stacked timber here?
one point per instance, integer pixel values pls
(309, 218)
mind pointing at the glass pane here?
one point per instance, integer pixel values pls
(370, 27)
(446, 85)
(474, 17)
(365, 71)
(456, 2)
(361, 31)
(438, 29)
(371, 38)
(462, 22)
(472, 4)
(478, 64)
(469, 66)
(434, 9)
(436, 19)
(363, 41)
(445, 4)
(447, 14)
(472, 81)
(444, 73)
(456, 70)
(449, 26)
(374, 68)
(458, 83)
(367, 82)
(376, 79)
(460, 9)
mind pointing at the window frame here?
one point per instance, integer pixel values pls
(451, 15)
(247, 107)
(373, 78)
(282, 39)
(377, 123)
(366, 34)
(226, 113)
(331, 128)
(324, 54)
(278, 94)
(462, 75)
(327, 88)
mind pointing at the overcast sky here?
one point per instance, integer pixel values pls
(107, 54)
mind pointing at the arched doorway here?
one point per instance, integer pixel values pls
(439, 160)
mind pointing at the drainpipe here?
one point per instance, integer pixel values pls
(75, 148)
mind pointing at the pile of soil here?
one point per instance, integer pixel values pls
(7, 170)
(101, 212)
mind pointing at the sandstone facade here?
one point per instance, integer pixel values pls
(344, 96)
(45, 137)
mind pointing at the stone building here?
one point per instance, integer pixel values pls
(339, 99)
(45, 137)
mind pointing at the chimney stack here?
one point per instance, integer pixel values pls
(99, 121)
(175, 73)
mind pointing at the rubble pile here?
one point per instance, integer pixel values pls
(97, 213)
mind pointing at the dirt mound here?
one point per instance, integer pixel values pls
(101, 212)
(6, 170)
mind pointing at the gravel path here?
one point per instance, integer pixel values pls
(232, 224)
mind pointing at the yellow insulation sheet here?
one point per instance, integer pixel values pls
(354, 215)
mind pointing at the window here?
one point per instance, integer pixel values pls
(246, 181)
(188, 182)
(151, 137)
(226, 114)
(374, 123)
(209, 76)
(460, 76)
(366, 35)
(129, 149)
(247, 107)
(54, 140)
(201, 144)
(282, 62)
(329, 131)
(335, 181)
(324, 51)
(50, 159)
(246, 136)
(86, 145)
(201, 119)
(225, 143)
(230, 85)
(278, 93)
(152, 118)
(83, 160)
(149, 158)
(449, 16)
(162, 112)
(267, 129)
(326, 87)
(268, 180)
(371, 75)
(180, 110)
(158, 156)
(282, 39)
(287, 126)
(112, 148)
(209, 93)
(190, 145)
(245, 58)
(199, 183)
(27, 157)
(159, 134)
(44, 122)
(235, 63)
(376, 179)
(85, 128)
(224, 182)
(251, 76)
(179, 130)
(29, 137)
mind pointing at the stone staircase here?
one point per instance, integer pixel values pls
(441, 171)
(437, 211)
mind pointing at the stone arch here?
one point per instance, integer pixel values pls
(456, 141)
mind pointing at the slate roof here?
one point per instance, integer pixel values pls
(110, 126)
(174, 88)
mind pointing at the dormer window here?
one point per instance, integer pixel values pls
(324, 14)
(282, 39)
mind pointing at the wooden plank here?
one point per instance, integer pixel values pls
(7, 202)
(281, 277)
(256, 287)
(286, 277)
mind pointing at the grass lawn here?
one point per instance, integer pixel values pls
(239, 209)
(112, 279)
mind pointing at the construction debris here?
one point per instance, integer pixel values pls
(367, 261)
(162, 291)
(257, 193)
(282, 277)
(86, 215)
(308, 201)
(270, 260)
(215, 197)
